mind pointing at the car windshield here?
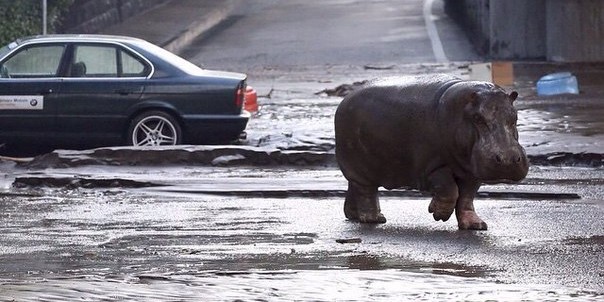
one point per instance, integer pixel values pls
(173, 59)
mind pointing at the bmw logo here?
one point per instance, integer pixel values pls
(33, 103)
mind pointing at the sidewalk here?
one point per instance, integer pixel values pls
(175, 24)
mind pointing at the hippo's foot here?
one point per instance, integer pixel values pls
(469, 220)
(353, 215)
(441, 210)
(372, 218)
(350, 210)
(362, 204)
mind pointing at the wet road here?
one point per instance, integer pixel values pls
(273, 34)
(263, 220)
(181, 224)
(180, 241)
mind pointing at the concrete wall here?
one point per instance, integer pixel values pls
(556, 30)
(575, 30)
(517, 28)
(473, 15)
(90, 16)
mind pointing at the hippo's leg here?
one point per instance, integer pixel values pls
(444, 194)
(467, 219)
(362, 204)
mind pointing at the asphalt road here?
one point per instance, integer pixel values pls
(168, 225)
(113, 228)
(271, 33)
(186, 232)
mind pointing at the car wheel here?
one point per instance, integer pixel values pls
(154, 128)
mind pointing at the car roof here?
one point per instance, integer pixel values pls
(80, 38)
(138, 45)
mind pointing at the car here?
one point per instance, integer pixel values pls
(81, 91)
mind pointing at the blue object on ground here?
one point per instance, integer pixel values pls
(557, 83)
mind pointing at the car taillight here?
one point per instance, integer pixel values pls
(240, 97)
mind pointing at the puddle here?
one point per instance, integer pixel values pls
(571, 126)
(48, 242)
(592, 240)
(325, 285)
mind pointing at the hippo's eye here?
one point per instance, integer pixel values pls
(478, 119)
(513, 123)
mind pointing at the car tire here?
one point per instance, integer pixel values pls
(154, 128)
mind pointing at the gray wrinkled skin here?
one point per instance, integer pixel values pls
(432, 133)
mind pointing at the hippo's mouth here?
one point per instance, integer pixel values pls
(493, 174)
(499, 167)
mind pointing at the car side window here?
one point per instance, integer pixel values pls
(132, 66)
(38, 61)
(105, 61)
(94, 61)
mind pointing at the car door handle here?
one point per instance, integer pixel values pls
(45, 91)
(123, 91)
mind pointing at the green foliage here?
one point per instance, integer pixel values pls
(24, 17)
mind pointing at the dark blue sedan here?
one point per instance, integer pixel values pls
(92, 90)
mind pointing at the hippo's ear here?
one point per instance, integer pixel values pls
(473, 102)
(513, 96)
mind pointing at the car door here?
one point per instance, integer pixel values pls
(29, 89)
(102, 81)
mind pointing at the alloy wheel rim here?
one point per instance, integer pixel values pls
(154, 131)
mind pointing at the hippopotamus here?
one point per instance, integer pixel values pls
(437, 134)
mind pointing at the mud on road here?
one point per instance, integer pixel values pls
(263, 220)
(184, 239)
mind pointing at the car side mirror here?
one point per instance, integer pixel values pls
(4, 72)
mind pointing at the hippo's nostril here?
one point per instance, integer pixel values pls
(518, 159)
(498, 159)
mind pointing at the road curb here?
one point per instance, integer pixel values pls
(174, 25)
(199, 27)
(221, 155)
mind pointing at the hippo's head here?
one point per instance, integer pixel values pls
(482, 125)
(496, 154)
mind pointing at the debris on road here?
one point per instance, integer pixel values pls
(16, 159)
(349, 240)
(342, 90)
(377, 67)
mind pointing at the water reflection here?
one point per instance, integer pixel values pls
(549, 126)
(374, 263)
(326, 285)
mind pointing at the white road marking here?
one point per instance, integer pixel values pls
(437, 46)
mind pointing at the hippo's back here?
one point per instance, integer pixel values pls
(405, 89)
(389, 126)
